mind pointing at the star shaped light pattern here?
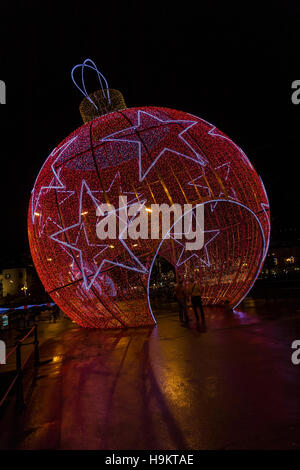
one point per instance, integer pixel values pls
(148, 124)
(136, 263)
(156, 154)
(185, 254)
(79, 241)
(116, 182)
(215, 133)
(224, 171)
(55, 184)
(89, 252)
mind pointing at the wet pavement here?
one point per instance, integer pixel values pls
(231, 385)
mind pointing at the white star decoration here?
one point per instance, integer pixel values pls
(81, 230)
(89, 280)
(130, 135)
(198, 182)
(214, 133)
(145, 123)
(114, 181)
(55, 184)
(185, 254)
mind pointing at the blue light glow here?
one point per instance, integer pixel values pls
(93, 66)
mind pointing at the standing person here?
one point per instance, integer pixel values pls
(197, 300)
(55, 313)
(181, 299)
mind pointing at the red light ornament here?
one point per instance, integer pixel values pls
(150, 155)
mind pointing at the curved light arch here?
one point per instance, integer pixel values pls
(90, 158)
(209, 202)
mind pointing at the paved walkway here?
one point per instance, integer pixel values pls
(230, 386)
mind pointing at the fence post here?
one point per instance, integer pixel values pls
(19, 384)
(36, 346)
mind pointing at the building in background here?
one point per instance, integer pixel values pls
(283, 259)
(14, 281)
(19, 282)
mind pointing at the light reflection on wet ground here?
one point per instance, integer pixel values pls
(230, 385)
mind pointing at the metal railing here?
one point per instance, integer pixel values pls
(18, 378)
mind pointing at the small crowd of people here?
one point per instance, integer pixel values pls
(183, 292)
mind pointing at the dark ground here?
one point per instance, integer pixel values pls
(231, 386)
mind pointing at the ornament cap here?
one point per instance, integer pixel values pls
(97, 104)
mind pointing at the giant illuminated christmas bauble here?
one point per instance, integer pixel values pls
(152, 155)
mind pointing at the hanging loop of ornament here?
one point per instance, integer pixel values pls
(90, 64)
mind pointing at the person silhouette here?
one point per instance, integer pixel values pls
(197, 300)
(181, 299)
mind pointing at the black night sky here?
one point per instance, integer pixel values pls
(231, 65)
